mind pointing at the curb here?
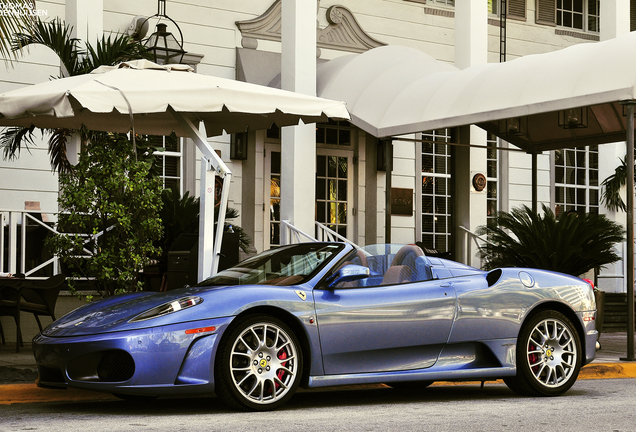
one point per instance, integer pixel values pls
(30, 393)
(608, 371)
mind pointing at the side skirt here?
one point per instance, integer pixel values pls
(412, 375)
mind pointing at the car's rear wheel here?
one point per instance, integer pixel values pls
(548, 356)
(259, 364)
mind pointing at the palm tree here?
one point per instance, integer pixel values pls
(611, 197)
(75, 61)
(12, 23)
(573, 244)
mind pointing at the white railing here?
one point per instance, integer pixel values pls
(16, 252)
(17, 256)
(472, 246)
(289, 234)
(328, 235)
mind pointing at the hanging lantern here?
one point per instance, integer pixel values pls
(573, 118)
(164, 46)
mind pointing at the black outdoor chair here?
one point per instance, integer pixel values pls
(33, 296)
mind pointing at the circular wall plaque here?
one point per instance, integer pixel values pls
(479, 182)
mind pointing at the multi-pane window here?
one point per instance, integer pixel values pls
(579, 14)
(436, 190)
(492, 178)
(333, 133)
(493, 6)
(576, 180)
(331, 192)
(169, 160)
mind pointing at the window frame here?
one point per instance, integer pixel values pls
(585, 15)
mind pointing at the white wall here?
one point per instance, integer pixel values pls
(209, 29)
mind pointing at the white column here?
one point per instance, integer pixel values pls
(87, 19)
(614, 18)
(298, 143)
(471, 33)
(471, 48)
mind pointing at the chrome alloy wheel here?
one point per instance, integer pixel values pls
(552, 352)
(263, 363)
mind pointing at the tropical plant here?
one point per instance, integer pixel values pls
(75, 60)
(180, 214)
(14, 18)
(572, 244)
(109, 213)
(612, 186)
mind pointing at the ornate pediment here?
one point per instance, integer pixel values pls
(342, 34)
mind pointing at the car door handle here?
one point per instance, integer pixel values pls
(445, 284)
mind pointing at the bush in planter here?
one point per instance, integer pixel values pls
(109, 207)
(573, 244)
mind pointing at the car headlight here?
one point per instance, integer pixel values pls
(168, 308)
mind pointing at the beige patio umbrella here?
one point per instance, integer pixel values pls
(153, 99)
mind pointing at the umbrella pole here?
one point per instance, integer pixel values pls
(211, 165)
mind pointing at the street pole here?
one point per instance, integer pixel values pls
(630, 230)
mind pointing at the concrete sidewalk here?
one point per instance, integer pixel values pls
(18, 373)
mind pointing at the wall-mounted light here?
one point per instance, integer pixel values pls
(624, 105)
(385, 155)
(163, 45)
(238, 146)
(573, 118)
(515, 126)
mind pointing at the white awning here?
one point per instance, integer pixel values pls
(395, 90)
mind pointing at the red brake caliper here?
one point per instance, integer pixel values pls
(533, 357)
(281, 356)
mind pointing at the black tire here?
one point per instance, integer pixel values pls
(548, 356)
(410, 385)
(259, 364)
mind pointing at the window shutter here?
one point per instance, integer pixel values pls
(546, 12)
(632, 15)
(517, 9)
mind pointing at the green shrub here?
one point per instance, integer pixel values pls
(573, 244)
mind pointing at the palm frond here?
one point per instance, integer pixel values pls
(573, 244)
(12, 139)
(612, 185)
(11, 24)
(57, 150)
(112, 50)
(56, 36)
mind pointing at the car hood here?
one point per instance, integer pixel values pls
(114, 313)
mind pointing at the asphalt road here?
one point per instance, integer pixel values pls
(591, 405)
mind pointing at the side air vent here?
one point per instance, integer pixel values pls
(493, 277)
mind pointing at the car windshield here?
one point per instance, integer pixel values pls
(287, 265)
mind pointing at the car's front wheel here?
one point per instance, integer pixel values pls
(548, 356)
(259, 364)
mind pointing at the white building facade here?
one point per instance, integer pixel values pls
(334, 173)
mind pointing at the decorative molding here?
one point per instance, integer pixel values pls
(343, 32)
(266, 26)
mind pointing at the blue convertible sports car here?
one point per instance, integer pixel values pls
(324, 314)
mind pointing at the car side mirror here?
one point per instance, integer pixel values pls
(348, 273)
